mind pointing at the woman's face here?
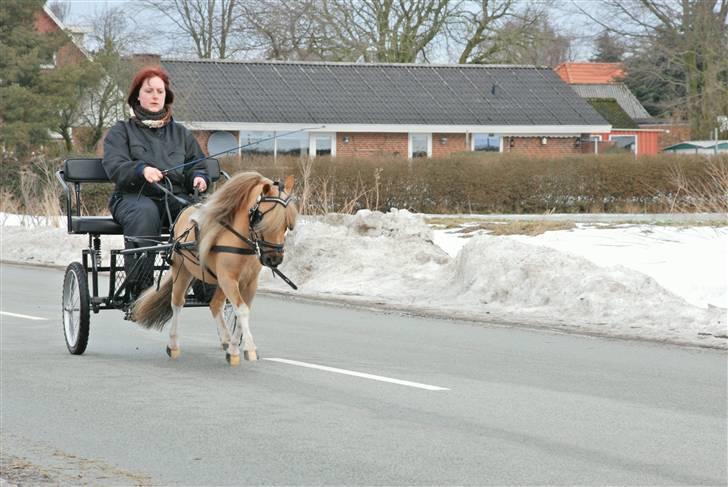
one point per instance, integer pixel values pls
(152, 94)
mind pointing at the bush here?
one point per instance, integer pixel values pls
(463, 183)
(475, 182)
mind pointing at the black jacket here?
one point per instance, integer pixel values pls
(128, 148)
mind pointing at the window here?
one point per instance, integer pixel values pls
(486, 142)
(322, 145)
(292, 145)
(625, 143)
(49, 60)
(257, 143)
(420, 145)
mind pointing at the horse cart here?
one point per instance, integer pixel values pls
(90, 285)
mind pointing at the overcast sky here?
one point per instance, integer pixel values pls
(562, 14)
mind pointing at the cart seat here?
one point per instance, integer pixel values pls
(96, 225)
(78, 171)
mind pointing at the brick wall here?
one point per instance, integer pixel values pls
(202, 137)
(69, 53)
(453, 143)
(532, 145)
(370, 144)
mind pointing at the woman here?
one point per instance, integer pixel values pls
(136, 152)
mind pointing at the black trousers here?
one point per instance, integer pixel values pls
(142, 219)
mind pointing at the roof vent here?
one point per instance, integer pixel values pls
(492, 90)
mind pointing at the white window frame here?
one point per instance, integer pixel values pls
(312, 142)
(53, 63)
(596, 139)
(636, 141)
(472, 140)
(409, 143)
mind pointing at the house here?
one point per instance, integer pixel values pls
(600, 84)
(706, 147)
(71, 52)
(361, 110)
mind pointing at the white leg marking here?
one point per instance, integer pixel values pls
(173, 342)
(243, 313)
(222, 329)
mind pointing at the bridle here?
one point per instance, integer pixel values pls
(255, 217)
(257, 243)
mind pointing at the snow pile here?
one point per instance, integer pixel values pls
(369, 255)
(527, 281)
(671, 255)
(391, 259)
(564, 280)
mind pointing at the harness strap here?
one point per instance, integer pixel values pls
(232, 250)
(241, 237)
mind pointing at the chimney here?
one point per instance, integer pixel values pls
(143, 60)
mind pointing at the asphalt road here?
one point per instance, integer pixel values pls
(515, 406)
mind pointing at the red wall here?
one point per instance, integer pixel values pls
(648, 141)
(69, 53)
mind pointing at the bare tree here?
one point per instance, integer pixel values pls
(397, 31)
(113, 37)
(60, 9)
(281, 29)
(207, 23)
(679, 46)
(476, 25)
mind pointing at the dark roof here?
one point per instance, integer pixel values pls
(610, 109)
(616, 91)
(408, 94)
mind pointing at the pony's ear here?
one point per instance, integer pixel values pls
(266, 188)
(288, 185)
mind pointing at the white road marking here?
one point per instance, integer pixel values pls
(359, 374)
(16, 315)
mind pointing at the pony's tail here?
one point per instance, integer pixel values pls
(153, 309)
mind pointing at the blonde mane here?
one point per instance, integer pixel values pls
(234, 196)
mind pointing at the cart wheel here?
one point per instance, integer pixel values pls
(75, 308)
(230, 318)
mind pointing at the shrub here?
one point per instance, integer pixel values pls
(463, 183)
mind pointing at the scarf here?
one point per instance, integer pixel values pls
(153, 120)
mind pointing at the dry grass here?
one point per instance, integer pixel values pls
(485, 183)
(461, 183)
(705, 194)
(531, 228)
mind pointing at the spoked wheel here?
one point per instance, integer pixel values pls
(76, 308)
(230, 318)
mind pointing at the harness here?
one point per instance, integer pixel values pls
(256, 244)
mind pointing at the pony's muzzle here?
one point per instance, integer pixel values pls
(272, 259)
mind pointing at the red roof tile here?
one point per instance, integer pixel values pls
(590, 73)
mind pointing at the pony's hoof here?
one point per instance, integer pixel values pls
(252, 355)
(173, 353)
(233, 360)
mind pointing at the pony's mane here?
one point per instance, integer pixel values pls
(235, 196)
(222, 206)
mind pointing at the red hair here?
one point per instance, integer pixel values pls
(143, 75)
